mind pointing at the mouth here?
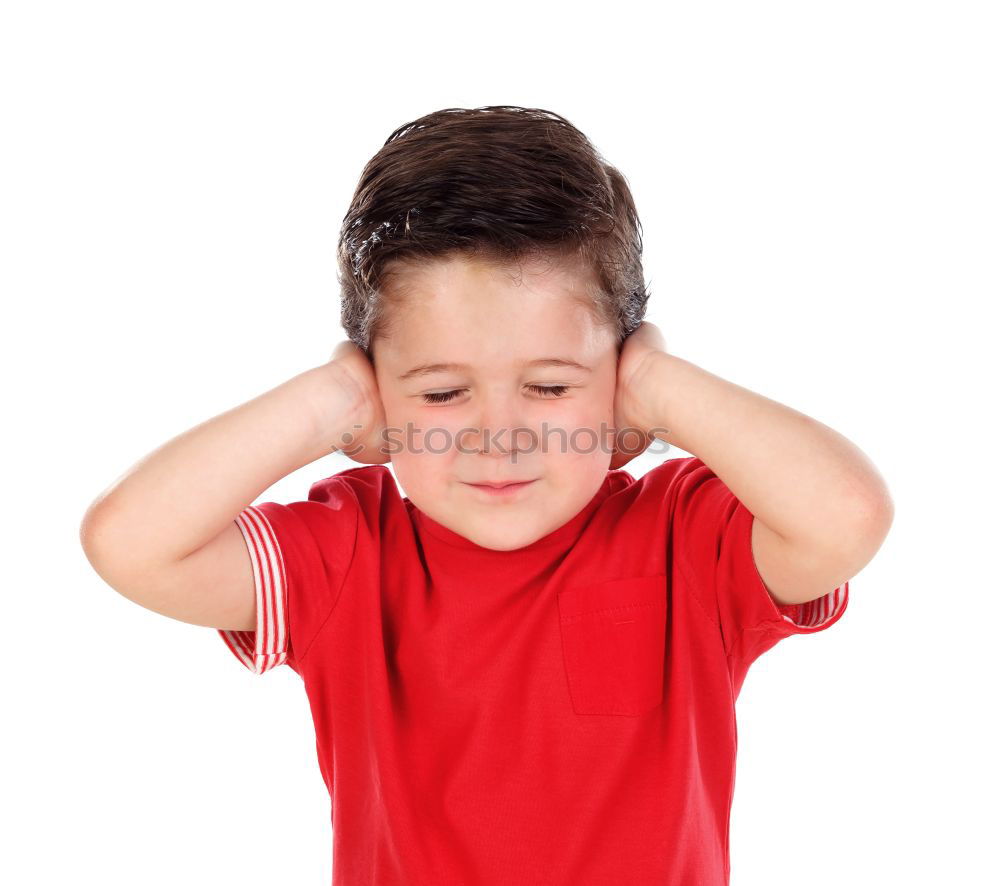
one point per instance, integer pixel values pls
(503, 483)
(502, 488)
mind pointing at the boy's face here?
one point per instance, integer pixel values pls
(495, 323)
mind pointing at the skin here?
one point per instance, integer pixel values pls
(496, 321)
(820, 508)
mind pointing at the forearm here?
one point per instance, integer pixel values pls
(802, 479)
(185, 492)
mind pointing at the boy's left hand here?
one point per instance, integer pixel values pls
(632, 401)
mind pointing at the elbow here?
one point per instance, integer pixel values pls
(880, 511)
(90, 531)
(94, 528)
(867, 532)
(102, 545)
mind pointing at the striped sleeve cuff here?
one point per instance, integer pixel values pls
(267, 646)
(815, 615)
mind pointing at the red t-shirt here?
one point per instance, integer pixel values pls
(558, 714)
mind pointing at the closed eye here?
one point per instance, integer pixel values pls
(547, 391)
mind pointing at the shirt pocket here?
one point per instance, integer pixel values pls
(613, 634)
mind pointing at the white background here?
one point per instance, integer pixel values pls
(818, 189)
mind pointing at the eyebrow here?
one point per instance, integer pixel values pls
(430, 368)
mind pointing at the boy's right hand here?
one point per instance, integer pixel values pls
(362, 440)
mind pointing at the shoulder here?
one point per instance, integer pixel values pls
(364, 485)
(672, 474)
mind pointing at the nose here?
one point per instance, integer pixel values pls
(498, 425)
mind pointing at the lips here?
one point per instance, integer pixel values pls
(502, 484)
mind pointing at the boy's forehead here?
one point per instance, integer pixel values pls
(479, 313)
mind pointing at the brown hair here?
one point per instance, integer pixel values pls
(501, 183)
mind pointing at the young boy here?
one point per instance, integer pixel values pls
(531, 684)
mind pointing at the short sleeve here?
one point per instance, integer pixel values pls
(300, 554)
(711, 536)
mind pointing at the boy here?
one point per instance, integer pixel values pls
(528, 684)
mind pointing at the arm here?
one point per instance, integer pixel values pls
(821, 508)
(163, 534)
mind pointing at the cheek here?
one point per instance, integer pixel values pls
(596, 408)
(585, 429)
(397, 407)
(426, 478)
(427, 441)
(417, 430)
